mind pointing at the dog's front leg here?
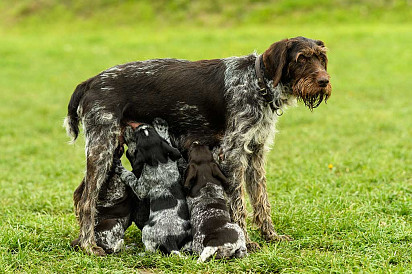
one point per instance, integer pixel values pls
(140, 189)
(257, 190)
(235, 170)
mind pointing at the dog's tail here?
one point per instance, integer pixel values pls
(71, 122)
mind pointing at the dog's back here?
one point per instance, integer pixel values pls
(213, 232)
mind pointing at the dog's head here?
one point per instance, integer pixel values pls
(301, 64)
(201, 170)
(145, 146)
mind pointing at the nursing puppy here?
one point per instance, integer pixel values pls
(213, 232)
(152, 156)
(115, 208)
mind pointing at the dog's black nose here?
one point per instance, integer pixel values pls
(323, 81)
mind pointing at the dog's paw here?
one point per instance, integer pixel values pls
(160, 123)
(118, 168)
(75, 244)
(252, 246)
(97, 251)
(285, 238)
(161, 127)
(176, 253)
(273, 237)
(241, 252)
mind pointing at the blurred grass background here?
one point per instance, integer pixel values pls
(214, 12)
(339, 178)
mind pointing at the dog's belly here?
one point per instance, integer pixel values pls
(187, 123)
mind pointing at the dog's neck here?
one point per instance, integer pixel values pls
(266, 92)
(276, 97)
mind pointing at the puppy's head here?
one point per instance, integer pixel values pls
(145, 146)
(201, 170)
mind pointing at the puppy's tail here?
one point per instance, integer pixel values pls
(71, 122)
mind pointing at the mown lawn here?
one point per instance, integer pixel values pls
(352, 217)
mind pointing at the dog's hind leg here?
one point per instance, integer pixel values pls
(77, 195)
(257, 190)
(101, 141)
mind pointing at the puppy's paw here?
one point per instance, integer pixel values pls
(207, 253)
(241, 252)
(118, 168)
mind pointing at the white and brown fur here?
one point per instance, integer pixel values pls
(117, 207)
(151, 155)
(213, 232)
(217, 102)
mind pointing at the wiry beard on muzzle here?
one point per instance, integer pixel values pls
(310, 93)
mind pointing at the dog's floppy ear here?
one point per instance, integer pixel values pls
(217, 173)
(172, 153)
(274, 59)
(190, 176)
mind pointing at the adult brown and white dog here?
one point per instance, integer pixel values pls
(231, 104)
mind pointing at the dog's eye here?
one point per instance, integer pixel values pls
(302, 58)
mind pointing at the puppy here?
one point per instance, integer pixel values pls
(212, 229)
(168, 226)
(116, 204)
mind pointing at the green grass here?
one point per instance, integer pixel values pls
(199, 12)
(355, 217)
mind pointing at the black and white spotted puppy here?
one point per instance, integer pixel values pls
(152, 156)
(212, 229)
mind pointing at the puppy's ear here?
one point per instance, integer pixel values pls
(190, 176)
(217, 173)
(172, 153)
(274, 59)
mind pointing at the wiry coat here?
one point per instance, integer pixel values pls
(217, 102)
(168, 226)
(117, 207)
(212, 229)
